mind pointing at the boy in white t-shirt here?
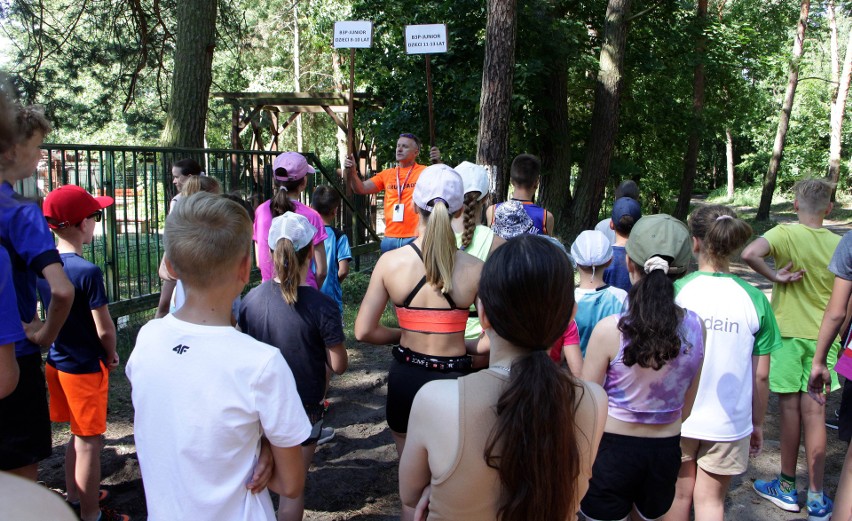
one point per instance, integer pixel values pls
(210, 401)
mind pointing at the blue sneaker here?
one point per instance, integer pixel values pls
(818, 512)
(771, 490)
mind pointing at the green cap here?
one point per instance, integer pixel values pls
(663, 236)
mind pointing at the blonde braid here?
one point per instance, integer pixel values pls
(470, 211)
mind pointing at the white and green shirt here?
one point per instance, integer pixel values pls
(740, 324)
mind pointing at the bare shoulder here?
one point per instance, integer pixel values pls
(435, 398)
(591, 405)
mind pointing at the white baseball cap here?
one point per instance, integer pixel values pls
(439, 182)
(291, 226)
(591, 248)
(475, 178)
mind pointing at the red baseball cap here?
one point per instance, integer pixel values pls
(69, 205)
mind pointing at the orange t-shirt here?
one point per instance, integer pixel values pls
(386, 180)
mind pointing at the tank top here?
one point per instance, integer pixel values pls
(479, 247)
(470, 489)
(643, 395)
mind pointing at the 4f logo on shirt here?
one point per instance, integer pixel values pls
(180, 349)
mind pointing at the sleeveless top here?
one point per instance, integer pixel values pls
(479, 247)
(643, 395)
(536, 213)
(430, 320)
(470, 489)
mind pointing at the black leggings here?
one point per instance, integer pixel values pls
(404, 380)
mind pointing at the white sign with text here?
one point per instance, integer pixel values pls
(426, 39)
(353, 34)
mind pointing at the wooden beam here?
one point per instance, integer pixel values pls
(337, 120)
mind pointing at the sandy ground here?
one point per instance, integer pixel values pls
(354, 476)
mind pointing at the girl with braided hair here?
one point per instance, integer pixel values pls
(474, 238)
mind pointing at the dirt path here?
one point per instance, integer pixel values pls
(354, 476)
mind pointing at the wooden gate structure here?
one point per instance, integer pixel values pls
(247, 109)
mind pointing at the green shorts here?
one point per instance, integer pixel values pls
(790, 366)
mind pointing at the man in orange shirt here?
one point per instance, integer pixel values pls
(398, 183)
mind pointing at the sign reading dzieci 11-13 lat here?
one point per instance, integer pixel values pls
(426, 39)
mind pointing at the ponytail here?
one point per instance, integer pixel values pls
(197, 183)
(720, 230)
(439, 247)
(535, 421)
(281, 202)
(288, 263)
(650, 325)
(526, 291)
(472, 210)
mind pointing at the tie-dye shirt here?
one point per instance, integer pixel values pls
(643, 395)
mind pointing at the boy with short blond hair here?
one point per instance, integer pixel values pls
(210, 401)
(802, 287)
(25, 436)
(79, 362)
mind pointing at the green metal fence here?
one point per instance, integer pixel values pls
(128, 243)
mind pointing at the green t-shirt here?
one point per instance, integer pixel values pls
(479, 247)
(799, 306)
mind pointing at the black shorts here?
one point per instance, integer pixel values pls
(404, 380)
(25, 418)
(632, 471)
(844, 423)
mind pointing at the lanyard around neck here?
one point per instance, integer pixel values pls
(399, 186)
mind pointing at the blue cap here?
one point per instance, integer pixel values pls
(626, 206)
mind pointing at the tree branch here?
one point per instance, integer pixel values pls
(645, 11)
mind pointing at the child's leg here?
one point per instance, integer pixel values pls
(72, 495)
(813, 419)
(88, 474)
(843, 497)
(293, 509)
(709, 495)
(791, 418)
(684, 490)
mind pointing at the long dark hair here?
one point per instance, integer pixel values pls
(527, 292)
(188, 166)
(650, 325)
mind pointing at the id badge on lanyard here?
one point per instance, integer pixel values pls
(399, 207)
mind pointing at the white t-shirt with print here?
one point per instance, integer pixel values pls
(203, 397)
(739, 323)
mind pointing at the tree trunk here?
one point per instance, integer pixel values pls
(297, 71)
(729, 156)
(492, 144)
(554, 143)
(838, 109)
(784, 118)
(832, 26)
(555, 148)
(690, 160)
(195, 40)
(599, 149)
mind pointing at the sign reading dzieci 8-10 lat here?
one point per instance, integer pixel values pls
(353, 35)
(426, 39)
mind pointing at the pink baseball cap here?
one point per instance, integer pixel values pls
(294, 163)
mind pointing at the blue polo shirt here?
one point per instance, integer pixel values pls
(11, 330)
(27, 239)
(336, 250)
(78, 349)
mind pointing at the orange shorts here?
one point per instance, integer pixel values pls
(79, 398)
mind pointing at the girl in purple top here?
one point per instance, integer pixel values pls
(289, 170)
(649, 360)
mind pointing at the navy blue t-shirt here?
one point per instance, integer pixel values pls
(301, 332)
(27, 239)
(616, 274)
(78, 349)
(11, 330)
